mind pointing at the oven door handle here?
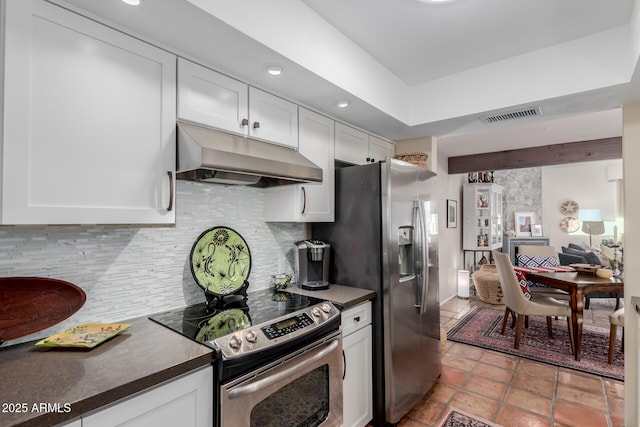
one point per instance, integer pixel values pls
(272, 379)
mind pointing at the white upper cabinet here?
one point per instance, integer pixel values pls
(88, 132)
(212, 99)
(357, 147)
(308, 202)
(379, 149)
(352, 145)
(272, 119)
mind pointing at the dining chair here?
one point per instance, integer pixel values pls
(521, 306)
(543, 252)
(615, 319)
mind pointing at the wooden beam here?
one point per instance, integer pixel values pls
(557, 154)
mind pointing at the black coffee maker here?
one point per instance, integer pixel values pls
(312, 264)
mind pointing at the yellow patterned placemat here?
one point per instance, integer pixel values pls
(88, 335)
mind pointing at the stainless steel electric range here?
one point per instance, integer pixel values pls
(279, 358)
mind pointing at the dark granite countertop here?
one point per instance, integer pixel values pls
(145, 355)
(141, 357)
(345, 296)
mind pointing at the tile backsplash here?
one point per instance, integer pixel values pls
(129, 271)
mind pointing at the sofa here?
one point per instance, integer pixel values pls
(579, 254)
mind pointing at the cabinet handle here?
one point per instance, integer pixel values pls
(304, 200)
(256, 125)
(344, 365)
(244, 122)
(356, 319)
(170, 208)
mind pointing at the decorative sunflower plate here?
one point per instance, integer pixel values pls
(88, 335)
(569, 224)
(223, 323)
(220, 261)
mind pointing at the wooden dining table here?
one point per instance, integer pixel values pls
(577, 285)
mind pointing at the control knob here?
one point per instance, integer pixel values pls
(316, 312)
(326, 308)
(235, 342)
(251, 336)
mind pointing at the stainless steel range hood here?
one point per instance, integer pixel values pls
(212, 156)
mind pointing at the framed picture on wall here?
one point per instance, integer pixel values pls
(523, 222)
(536, 230)
(452, 213)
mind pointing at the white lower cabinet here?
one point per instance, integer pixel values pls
(88, 121)
(185, 402)
(358, 379)
(308, 202)
(75, 423)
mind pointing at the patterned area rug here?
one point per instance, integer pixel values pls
(481, 328)
(458, 418)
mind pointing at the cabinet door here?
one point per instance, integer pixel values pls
(352, 145)
(187, 401)
(89, 122)
(379, 149)
(212, 99)
(272, 119)
(357, 389)
(308, 202)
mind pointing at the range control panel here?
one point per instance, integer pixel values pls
(269, 334)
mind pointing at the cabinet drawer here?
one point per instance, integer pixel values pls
(355, 318)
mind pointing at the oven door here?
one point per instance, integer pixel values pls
(303, 388)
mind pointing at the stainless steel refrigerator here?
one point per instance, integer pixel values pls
(385, 238)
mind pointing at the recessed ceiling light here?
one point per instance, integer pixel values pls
(133, 2)
(274, 69)
(343, 103)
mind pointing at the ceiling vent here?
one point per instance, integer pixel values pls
(513, 115)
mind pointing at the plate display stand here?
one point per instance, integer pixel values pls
(215, 301)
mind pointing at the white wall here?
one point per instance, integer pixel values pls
(631, 153)
(449, 239)
(588, 185)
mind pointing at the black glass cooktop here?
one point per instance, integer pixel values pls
(204, 322)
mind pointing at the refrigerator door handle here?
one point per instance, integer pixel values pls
(423, 273)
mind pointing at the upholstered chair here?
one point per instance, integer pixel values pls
(543, 252)
(615, 319)
(521, 306)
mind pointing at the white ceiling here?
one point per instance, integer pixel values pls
(420, 42)
(412, 69)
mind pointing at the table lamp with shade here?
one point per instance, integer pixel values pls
(592, 223)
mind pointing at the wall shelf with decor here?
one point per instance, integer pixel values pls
(482, 224)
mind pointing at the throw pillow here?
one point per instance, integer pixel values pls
(589, 256)
(578, 246)
(524, 285)
(534, 261)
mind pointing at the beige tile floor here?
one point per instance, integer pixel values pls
(516, 392)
